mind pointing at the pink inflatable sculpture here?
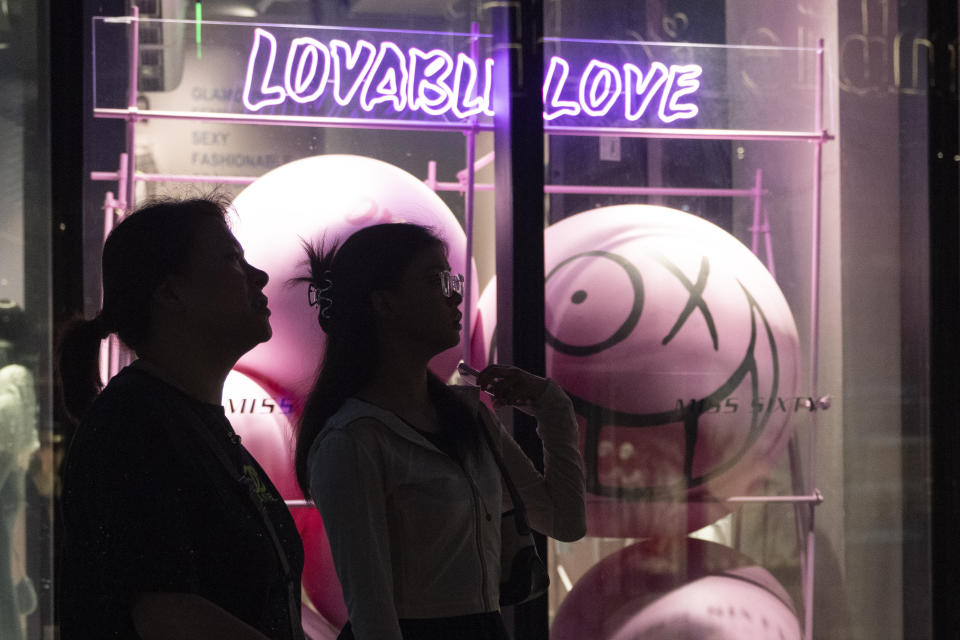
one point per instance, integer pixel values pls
(674, 589)
(262, 420)
(682, 359)
(320, 198)
(325, 197)
(263, 423)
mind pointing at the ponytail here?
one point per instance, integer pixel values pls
(78, 363)
(342, 278)
(147, 246)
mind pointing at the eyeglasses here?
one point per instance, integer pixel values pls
(451, 283)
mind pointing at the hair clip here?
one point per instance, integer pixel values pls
(316, 297)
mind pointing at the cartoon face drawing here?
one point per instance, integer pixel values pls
(324, 198)
(681, 357)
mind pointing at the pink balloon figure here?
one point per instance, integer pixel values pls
(320, 198)
(263, 421)
(682, 359)
(325, 198)
(672, 589)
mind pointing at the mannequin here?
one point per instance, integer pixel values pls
(18, 441)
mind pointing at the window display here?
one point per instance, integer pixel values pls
(699, 282)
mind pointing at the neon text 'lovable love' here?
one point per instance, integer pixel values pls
(435, 83)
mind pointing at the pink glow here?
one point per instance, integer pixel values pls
(435, 83)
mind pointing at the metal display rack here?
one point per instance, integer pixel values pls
(807, 497)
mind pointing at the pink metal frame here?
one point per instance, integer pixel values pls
(804, 480)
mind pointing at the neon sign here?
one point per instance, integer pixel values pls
(437, 84)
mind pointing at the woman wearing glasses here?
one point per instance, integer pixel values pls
(409, 492)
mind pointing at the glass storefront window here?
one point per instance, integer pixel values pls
(732, 207)
(28, 450)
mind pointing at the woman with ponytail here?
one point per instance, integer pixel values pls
(395, 460)
(171, 528)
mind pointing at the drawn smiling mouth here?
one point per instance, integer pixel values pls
(620, 465)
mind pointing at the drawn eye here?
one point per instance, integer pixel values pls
(579, 292)
(695, 301)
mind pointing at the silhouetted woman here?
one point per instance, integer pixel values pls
(410, 495)
(166, 535)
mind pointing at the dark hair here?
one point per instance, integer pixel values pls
(371, 259)
(145, 248)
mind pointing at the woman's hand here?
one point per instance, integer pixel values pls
(511, 386)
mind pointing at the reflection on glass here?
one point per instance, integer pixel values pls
(18, 442)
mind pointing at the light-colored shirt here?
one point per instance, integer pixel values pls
(416, 535)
